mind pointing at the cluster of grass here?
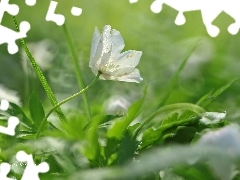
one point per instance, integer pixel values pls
(175, 128)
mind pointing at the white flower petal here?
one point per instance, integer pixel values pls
(106, 38)
(102, 53)
(132, 77)
(96, 49)
(95, 41)
(129, 58)
(105, 59)
(123, 71)
(117, 43)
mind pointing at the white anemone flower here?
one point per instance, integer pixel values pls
(106, 57)
(116, 105)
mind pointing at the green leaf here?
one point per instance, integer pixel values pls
(36, 109)
(181, 134)
(150, 136)
(208, 98)
(26, 135)
(120, 125)
(128, 147)
(15, 110)
(170, 119)
(170, 126)
(91, 147)
(133, 128)
(169, 109)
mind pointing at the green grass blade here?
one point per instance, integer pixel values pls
(208, 98)
(78, 71)
(41, 77)
(120, 125)
(176, 75)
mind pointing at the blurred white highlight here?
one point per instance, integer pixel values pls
(76, 11)
(116, 105)
(43, 52)
(9, 95)
(133, 1)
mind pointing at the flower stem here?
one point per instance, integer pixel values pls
(65, 100)
(41, 77)
(78, 72)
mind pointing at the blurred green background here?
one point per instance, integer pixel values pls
(164, 46)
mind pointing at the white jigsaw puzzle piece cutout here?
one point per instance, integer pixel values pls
(12, 120)
(7, 35)
(12, 9)
(59, 19)
(4, 105)
(4, 170)
(31, 171)
(209, 10)
(133, 1)
(30, 2)
(12, 124)
(76, 11)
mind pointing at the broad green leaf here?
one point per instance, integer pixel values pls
(150, 136)
(128, 147)
(120, 125)
(181, 134)
(118, 151)
(170, 119)
(91, 146)
(36, 109)
(168, 128)
(133, 128)
(169, 109)
(208, 98)
(26, 135)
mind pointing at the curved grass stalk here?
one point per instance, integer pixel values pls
(64, 101)
(78, 72)
(41, 77)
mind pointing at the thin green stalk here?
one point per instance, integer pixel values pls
(65, 100)
(78, 72)
(176, 75)
(41, 77)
